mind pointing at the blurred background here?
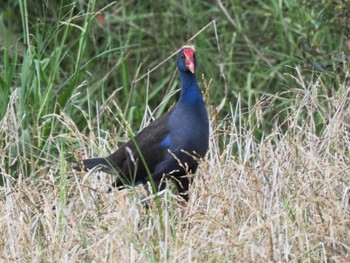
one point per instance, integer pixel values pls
(79, 59)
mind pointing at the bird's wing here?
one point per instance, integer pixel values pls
(126, 160)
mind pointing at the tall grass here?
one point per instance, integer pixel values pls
(283, 198)
(275, 183)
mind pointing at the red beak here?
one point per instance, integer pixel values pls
(189, 55)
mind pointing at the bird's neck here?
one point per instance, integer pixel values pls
(190, 92)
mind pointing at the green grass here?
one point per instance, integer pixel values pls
(274, 184)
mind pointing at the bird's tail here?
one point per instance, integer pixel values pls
(98, 163)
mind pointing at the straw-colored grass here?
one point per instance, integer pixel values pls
(283, 198)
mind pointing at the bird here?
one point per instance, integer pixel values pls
(170, 146)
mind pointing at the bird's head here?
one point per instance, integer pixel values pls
(186, 59)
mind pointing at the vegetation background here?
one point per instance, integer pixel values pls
(77, 76)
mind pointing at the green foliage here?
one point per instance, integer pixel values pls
(58, 57)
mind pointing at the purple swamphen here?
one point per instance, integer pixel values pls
(171, 145)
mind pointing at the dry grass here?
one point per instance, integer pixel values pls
(284, 198)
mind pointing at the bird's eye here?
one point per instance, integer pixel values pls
(182, 56)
